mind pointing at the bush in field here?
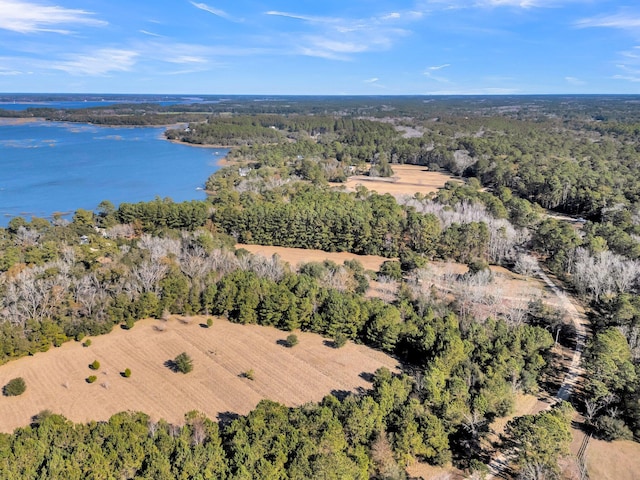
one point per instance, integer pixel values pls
(183, 363)
(340, 340)
(249, 374)
(95, 365)
(209, 322)
(15, 387)
(610, 429)
(87, 343)
(91, 378)
(292, 340)
(126, 373)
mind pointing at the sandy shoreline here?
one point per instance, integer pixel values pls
(20, 120)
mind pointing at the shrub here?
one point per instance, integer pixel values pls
(91, 378)
(391, 269)
(610, 429)
(15, 387)
(292, 340)
(250, 374)
(95, 365)
(126, 373)
(183, 363)
(340, 340)
(129, 324)
(87, 343)
(209, 322)
(79, 336)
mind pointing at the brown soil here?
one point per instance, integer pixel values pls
(406, 180)
(305, 373)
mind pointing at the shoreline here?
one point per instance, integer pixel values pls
(222, 162)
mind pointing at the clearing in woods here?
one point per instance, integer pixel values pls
(619, 460)
(298, 256)
(406, 180)
(293, 376)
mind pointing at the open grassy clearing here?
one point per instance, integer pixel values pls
(406, 180)
(618, 460)
(221, 354)
(297, 256)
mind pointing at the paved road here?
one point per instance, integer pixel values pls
(499, 465)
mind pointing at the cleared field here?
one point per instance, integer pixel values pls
(296, 256)
(293, 376)
(613, 460)
(406, 180)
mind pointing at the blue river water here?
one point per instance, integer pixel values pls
(48, 167)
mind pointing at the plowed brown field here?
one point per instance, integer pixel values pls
(307, 372)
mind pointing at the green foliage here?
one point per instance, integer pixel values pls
(209, 322)
(183, 363)
(157, 214)
(292, 340)
(610, 429)
(127, 372)
(543, 437)
(249, 374)
(391, 269)
(91, 378)
(608, 363)
(87, 343)
(15, 387)
(95, 365)
(339, 340)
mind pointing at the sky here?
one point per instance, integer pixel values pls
(328, 47)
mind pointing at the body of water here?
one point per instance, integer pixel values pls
(48, 167)
(19, 106)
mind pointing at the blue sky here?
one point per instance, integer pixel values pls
(380, 47)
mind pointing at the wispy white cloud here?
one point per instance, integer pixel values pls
(151, 34)
(371, 80)
(27, 17)
(98, 63)
(185, 59)
(431, 5)
(476, 91)
(340, 38)
(9, 73)
(628, 78)
(623, 20)
(574, 81)
(216, 11)
(436, 78)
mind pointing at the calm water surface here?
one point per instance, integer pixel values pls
(48, 167)
(19, 106)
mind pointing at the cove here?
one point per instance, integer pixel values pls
(49, 167)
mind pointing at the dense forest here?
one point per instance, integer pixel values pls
(546, 179)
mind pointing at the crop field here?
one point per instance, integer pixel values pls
(221, 354)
